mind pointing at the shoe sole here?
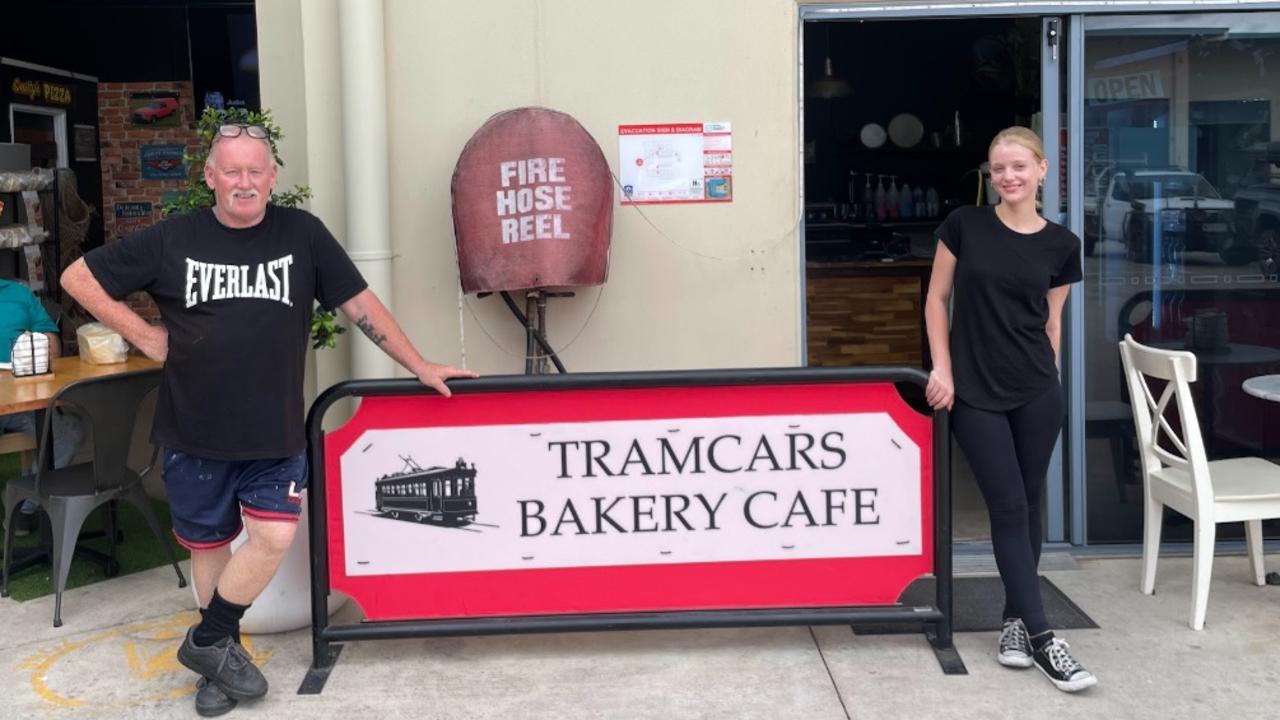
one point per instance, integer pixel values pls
(229, 692)
(215, 711)
(1021, 663)
(211, 710)
(1070, 686)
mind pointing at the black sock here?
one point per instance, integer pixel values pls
(221, 619)
(237, 632)
(1039, 641)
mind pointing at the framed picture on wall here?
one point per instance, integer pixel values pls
(162, 162)
(84, 142)
(155, 108)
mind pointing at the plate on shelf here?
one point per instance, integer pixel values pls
(906, 130)
(872, 135)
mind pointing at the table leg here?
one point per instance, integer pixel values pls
(39, 430)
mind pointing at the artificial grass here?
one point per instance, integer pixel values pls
(139, 550)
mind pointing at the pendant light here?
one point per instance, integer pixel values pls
(829, 85)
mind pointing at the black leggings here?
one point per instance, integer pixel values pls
(1009, 453)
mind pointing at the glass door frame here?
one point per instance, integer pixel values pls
(1078, 28)
(1066, 492)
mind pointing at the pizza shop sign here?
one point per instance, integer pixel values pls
(41, 91)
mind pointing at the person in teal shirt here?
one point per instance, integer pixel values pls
(21, 311)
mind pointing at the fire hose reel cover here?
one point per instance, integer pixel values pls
(532, 204)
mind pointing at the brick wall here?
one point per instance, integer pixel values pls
(121, 142)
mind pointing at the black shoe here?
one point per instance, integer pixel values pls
(211, 701)
(1055, 661)
(1015, 645)
(227, 664)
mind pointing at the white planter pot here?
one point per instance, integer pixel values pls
(285, 604)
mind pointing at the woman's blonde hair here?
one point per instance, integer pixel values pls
(1018, 135)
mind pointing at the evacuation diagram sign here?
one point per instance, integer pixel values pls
(675, 162)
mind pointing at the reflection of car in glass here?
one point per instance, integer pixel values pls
(159, 108)
(1258, 222)
(1258, 215)
(1180, 208)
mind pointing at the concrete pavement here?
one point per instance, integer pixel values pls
(114, 657)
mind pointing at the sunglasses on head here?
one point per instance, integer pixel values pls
(253, 131)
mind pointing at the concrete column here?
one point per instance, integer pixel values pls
(364, 149)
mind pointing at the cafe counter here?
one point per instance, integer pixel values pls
(867, 312)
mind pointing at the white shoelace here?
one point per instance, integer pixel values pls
(1014, 637)
(1061, 659)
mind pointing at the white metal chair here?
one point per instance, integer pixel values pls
(1178, 474)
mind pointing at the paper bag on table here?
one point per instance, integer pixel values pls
(100, 345)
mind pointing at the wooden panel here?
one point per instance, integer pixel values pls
(865, 319)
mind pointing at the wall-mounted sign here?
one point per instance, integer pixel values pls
(532, 204)
(154, 108)
(162, 162)
(675, 162)
(41, 91)
(133, 210)
(84, 141)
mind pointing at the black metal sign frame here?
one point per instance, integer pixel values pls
(326, 639)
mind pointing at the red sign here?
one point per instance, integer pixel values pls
(532, 204)
(607, 500)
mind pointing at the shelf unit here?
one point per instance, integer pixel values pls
(50, 251)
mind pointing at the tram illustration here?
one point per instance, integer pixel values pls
(436, 495)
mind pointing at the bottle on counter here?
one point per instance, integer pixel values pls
(894, 199)
(917, 199)
(907, 203)
(868, 201)
(933, 204)
(881, 200)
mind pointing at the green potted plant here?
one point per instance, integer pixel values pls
(196, 195)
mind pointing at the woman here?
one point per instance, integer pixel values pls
(995, 367)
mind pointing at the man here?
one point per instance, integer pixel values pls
(235, 286)
(21, 311)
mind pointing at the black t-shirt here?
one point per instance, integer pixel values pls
(237, 305)
(1000, 354)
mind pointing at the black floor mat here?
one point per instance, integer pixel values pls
(978, 605)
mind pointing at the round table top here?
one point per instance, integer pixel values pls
(1266, 387)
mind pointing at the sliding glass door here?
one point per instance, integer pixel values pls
(1180, 161)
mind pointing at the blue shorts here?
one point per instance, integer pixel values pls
(207, 496)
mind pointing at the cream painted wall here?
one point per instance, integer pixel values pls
(690, 286)
(300, 84)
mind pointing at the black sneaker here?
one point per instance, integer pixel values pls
(227, 664)
(1055, 661)
(1015, 645)
(211, 701)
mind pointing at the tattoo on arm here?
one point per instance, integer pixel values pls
(366, 326)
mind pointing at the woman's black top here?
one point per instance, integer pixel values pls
(1000, 354)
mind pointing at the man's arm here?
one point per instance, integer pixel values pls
(79, 282)
(375, 321)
